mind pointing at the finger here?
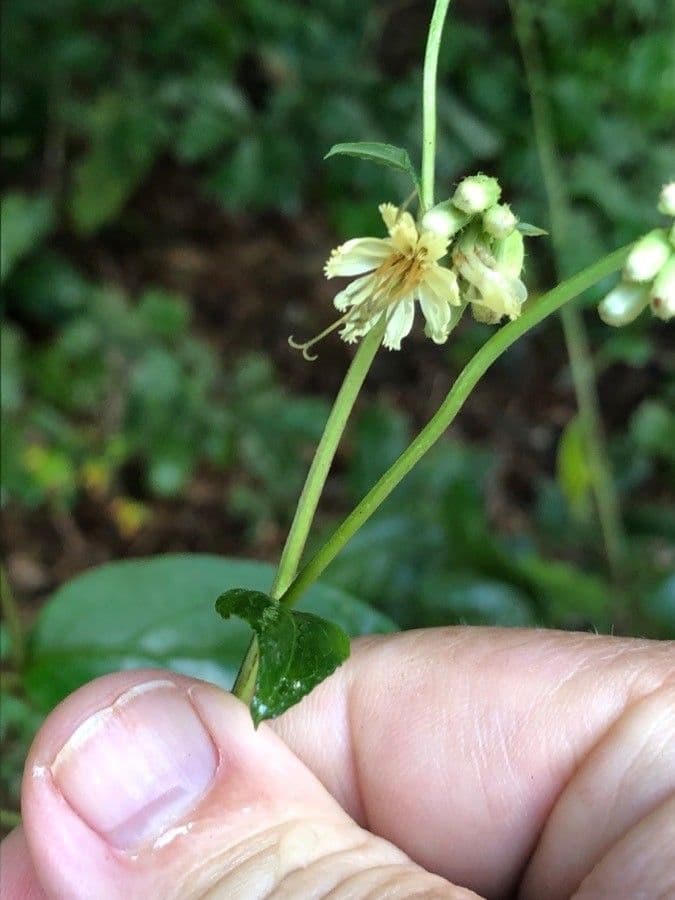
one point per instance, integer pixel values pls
(146, 784)
(17, 875)
(626, 777)
(456, 743)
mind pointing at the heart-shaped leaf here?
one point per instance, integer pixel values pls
(383, 154)
(296, 650)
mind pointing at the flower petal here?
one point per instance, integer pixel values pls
(399, 323)
(436, 312)
(443, 282)
(436, 245)
(357, 256)
(404, 234)
(356, 292)
(389, 214)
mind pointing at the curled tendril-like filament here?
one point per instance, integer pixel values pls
(304, 347)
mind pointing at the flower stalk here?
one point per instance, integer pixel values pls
(474, 370)
(244, 686)
(429, 103)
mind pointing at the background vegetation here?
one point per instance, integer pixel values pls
(165, 215)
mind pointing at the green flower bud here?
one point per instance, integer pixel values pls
(671, 235)
(476, 193)
(509, 254)
(499, 221)
(662, 293)
(444, 219)
(667, 199)
(623, 304)
(647, 256)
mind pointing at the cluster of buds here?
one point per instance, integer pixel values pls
(648, 275)
(488, 251)
(393, 275)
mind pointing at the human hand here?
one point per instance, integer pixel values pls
(500, 760)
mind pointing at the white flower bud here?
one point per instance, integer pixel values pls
(647, 256)
(509, 254)
(623, 304)
(444, 219)
(499, 221)
(476, 193)
(662, 294)
(667, 199)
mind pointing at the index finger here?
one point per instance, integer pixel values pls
(456, 743)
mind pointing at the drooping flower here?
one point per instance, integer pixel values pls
(662, 294)
(624, 303)
(392, 273)
(648, 256)
(493, 274)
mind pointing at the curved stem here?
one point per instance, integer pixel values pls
(466, 381)
(429, 103)
(574, 330)
(244, 685)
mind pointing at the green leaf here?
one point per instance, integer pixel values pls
(297, 650)
(24, 222)
(126, 136)
(383, 154)
(159, 613)
(573, 471)
(446, 599)
(530, 230)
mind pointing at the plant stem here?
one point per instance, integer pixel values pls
(574, 330)
(11, 614)
(429, 103)
(466, 381)
(244, 685)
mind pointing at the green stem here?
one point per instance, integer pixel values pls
(12, 616)
(465, 383)
(429, 103)
(244, 685)
(574, 330)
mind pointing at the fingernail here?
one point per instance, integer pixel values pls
(137, 767)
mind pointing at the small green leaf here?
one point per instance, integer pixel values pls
(24, 221)
(530, 230)
(297, 650)
(383, 154)
(572, 469)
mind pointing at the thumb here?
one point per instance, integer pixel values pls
(147, 784)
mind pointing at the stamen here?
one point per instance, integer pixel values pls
(315, 340)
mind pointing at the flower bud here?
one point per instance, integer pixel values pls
(476, 193)
(623, 304)
(445, 219)
(509, 254)
(647, 256)
(667, 199)
(662, 294)
(499, 221)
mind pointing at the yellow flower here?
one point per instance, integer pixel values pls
(393, 273)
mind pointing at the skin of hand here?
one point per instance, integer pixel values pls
(445, 763)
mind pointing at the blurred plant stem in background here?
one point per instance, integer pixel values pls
(11, 615)
(576, 337)
(244, 686)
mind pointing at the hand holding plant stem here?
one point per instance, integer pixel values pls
(294, 651)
